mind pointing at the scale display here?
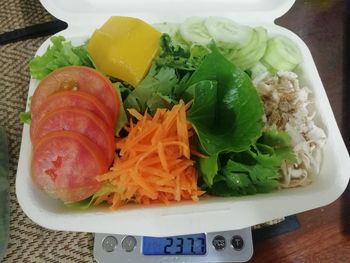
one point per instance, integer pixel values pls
(210, 247)
(174, 245)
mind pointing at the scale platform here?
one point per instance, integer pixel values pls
(226, 246)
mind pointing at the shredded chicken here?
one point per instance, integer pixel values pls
(286, 106)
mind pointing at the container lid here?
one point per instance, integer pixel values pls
(95, 12)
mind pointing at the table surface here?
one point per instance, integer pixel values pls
(324, 233)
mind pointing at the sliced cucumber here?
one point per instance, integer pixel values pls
(261, 47)
(282, 54)
(258, 69)
(248, 55)
(277, 63)
(167, 28)
(227, 31)
(245, 50)
(193, 30)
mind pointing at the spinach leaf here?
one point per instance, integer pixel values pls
(228, 117)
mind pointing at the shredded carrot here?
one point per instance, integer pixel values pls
(198, 154)
(153, 164)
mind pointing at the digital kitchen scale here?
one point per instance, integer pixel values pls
(226, 246)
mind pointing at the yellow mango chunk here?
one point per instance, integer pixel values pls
(124, 47)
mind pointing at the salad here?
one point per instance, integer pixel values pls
(170, 112)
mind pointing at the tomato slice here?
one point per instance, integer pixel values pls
(78, 99)
(65, 165)
(78, 120)
(77, 78)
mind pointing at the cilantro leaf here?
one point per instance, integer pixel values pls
(179, 57)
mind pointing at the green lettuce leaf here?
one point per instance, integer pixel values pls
(123, 119)
(273, 147)
(255, 170)
(226, 116)
(86, 203)
(244, 179)
(208, 168)
(154, 90)
(60, 54)
(25, 117)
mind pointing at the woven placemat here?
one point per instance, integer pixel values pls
(28, 242)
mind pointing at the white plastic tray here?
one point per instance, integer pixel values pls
(211, 213)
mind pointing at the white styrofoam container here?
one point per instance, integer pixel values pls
(210, 213)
